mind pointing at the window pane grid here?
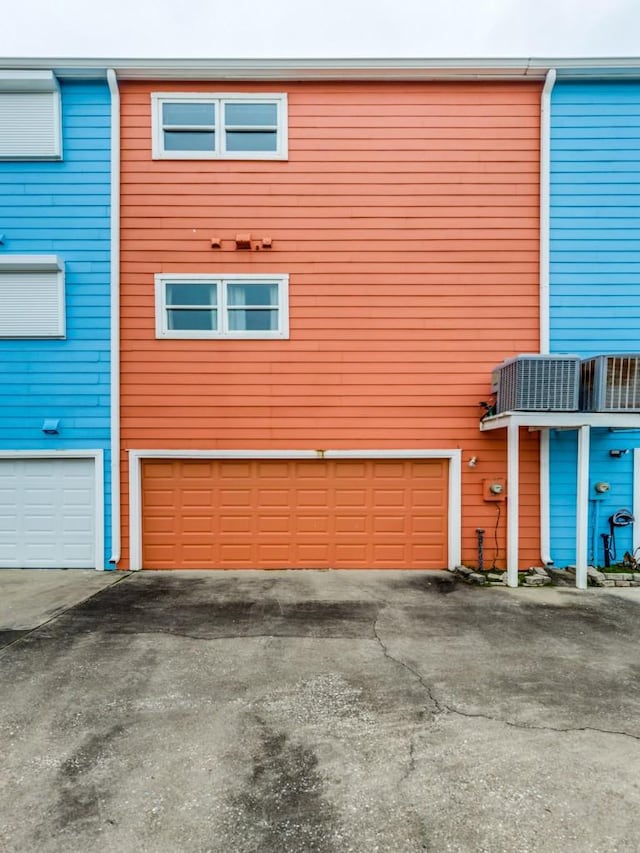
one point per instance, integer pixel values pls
(223, 308)
(221, 127)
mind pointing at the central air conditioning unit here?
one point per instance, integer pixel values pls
(537, 383)
(610, 383)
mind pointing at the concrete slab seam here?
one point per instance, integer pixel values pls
(55, 616)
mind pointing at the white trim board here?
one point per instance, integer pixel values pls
(636, 500)
(454, 537)
(114, 286)
(562, 420)
(98, 457)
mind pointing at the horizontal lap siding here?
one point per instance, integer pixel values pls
(406, 217)
(595, 279)
(63, 208)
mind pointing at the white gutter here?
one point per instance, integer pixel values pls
(112, 80)
(345, 68)
(545, 225)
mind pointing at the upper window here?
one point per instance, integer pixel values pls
(228, 127)
(234, 306)
(31, 296)
(30, 125)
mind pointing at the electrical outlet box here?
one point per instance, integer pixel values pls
(494, 490)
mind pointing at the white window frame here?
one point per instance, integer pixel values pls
(35, 83)
(38, 264)
(158, 99)
(221, 280)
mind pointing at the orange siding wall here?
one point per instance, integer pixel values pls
(407, 218)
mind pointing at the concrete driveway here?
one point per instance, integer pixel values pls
(362, 712)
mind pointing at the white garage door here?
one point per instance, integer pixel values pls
(47, 513)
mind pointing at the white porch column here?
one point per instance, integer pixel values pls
(513, 488)
(582, 508)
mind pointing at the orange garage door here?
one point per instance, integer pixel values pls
(340, 514)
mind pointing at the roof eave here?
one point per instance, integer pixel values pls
(334, 69)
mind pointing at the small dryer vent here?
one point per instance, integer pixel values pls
(610, 383)
(537, 383)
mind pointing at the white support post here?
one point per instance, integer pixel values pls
(582, 508)
(513, 488)
(636, 500)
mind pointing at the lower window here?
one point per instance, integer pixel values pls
(32, 296)
(233, 306)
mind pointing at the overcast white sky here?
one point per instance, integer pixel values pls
(320, 28)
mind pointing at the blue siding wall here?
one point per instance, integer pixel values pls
(595, 279)
(62, 208)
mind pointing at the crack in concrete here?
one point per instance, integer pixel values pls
(441, 708)
(533, 727)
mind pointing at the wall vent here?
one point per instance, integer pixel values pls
(610, 383)
(537, 383)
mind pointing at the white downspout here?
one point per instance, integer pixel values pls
(112, 80)
(545, 224)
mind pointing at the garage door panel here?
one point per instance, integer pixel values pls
(426, 554)
(236, 552)
(312, 553)
(197, 497)
(351, 524)
(274, 553)
(234, 524)
(425, 524)
(40, 524)
(274, 498)
(386, 470)
(197, 524)
(267, 524)
(391, 554)
(160, 554)
(349, 498)
(311, 524)
(313, 497)
(389, 497)
(273, 470)
(232, 470)
(296, 513)
(161, 498)
(389, 523)
(352, 552)
(47, 513)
